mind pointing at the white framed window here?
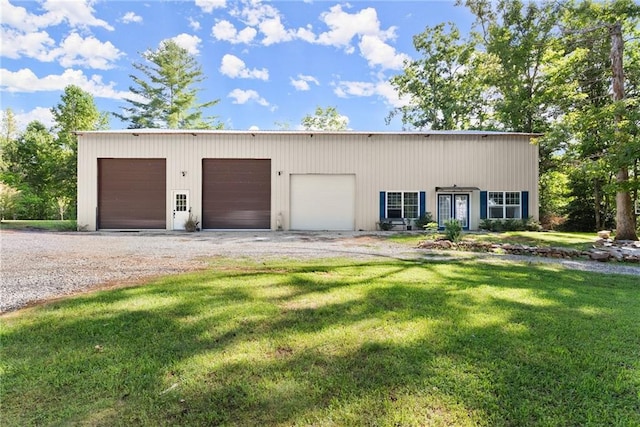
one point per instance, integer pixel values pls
(504, 204)
(403, 204)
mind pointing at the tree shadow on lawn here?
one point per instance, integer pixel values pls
(337, 343)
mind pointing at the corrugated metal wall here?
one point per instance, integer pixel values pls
(381, 162)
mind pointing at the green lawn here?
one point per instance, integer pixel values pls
(332, 343)
(530, 238)
(50, 225)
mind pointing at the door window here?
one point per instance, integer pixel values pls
(462, 207)
(444, 209)
(181, 202)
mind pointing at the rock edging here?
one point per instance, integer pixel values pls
(603, 250)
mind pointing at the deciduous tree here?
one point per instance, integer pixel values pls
(604, 129)
(325, 119)
(33, 160)
(76, 111)
(444, 85)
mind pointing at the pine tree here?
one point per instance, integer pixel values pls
(166, 96)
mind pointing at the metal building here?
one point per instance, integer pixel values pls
(301, 180)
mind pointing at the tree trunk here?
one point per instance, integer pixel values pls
(597, 202)
(625, 219)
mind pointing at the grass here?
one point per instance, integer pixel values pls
(50, 225)
(332, 343)
(530, 238)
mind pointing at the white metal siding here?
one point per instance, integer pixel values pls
(380, 162)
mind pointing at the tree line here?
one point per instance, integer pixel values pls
(543, 67)
(540, 67)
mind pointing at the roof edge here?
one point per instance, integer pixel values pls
(196, 132)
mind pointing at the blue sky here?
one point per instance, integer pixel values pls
(269, 63)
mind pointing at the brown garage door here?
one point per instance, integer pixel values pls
(236, 193)
(132, 193)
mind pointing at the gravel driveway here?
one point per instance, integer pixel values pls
(41, 265)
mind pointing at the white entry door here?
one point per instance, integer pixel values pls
(181, 208)
(453, 206)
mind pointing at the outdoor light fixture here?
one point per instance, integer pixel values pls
(184, 173)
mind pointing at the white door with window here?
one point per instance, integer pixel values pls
(181, 208)
(453, 206)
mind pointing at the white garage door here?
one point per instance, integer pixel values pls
(323, 202)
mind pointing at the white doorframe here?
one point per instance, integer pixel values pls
(181, 208)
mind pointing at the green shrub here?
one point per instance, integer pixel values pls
(532, 224)
(486, 224)
(511, 224)
(452, 230)
(386, 225)
(431, 227)
(422, 222)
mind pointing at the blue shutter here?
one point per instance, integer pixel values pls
(483, 205)
(525, 204)
(423, 204)
(383, 204)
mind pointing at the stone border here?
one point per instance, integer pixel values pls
(603, 250)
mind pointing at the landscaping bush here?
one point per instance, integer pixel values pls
(452, 230)
(511, 224)
(423, 221)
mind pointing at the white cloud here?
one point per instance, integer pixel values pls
(73, 50)
(364, 26)
(254, 12)
(302, 82)
(343, 27)
(194, 25)
(41, 114)
(346, 89)
(254, 127)
(226, 31)
(33, 45)
(243, 96)
(78, 14)
(130, 17)
(390, 95)
(382, 89)
(208, 5)
(188, 42)
(17, 17)
(268, 20)
(306, 34)
(234, 67)
(26, 81)
(274, 31)
(88, 52)
(377, 52)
